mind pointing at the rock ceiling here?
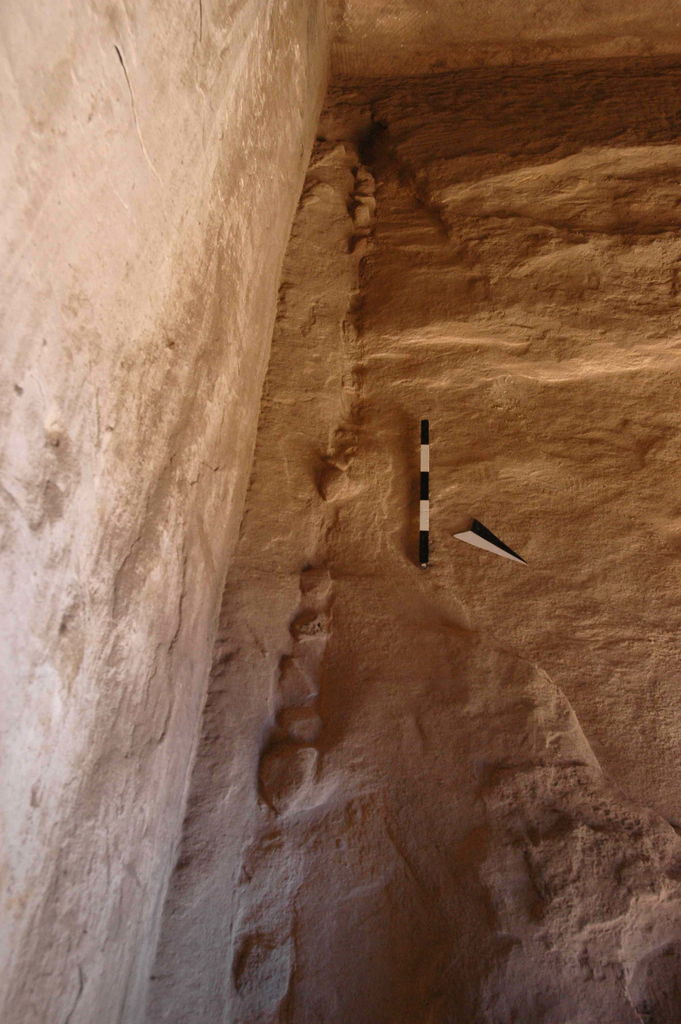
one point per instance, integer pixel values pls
(384, 37)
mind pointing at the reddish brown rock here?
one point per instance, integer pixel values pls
(383, 810)
(477, 842)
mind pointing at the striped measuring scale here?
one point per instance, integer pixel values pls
(424, 496)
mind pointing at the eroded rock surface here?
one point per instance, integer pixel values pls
(412, 37)
(152, 159)
(460, 838)
(255, 767)
(532, 229)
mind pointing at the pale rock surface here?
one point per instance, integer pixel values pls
(464, 840)
(153, 154)
(395, 816)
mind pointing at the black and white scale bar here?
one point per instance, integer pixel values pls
(480, 537)
(424, 502)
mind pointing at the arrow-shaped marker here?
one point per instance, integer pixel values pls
(480, 537)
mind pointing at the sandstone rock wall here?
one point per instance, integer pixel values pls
(410, 37)
(533, 225)
(264, 690)
(408, 821)
(152, 158)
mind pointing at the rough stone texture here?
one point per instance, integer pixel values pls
(534, 227)
(466, 840)
(272, 640)
(414, 37)
(394, 817)
(152, 158)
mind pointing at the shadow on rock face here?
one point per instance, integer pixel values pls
(656, 986)
(459, 855)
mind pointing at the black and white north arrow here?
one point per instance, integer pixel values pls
(480, 537)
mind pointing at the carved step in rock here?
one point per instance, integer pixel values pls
(262, 972)
(363, 212)
(310, 624)
(361, 245)
(297, 680)
(287, 776)
(315, 583)
(334, 484)
(300, 724)
(342, 457)
(365, 183)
